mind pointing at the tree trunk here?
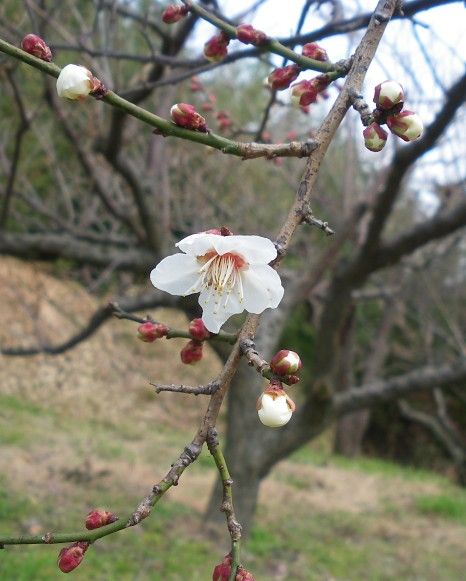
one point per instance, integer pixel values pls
(350, 432)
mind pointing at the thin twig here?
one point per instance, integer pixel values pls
(208, 389)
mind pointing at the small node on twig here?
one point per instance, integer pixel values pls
(309, 218)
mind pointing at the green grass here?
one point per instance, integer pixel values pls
(449, 506)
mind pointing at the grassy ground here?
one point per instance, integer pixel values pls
(84, 430)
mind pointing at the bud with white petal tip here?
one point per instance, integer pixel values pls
(388, 94)
(185, 115)
(407, 125)
(274, 406)
(285, 362)
(76, 82)
(36, 46)
(374, 137)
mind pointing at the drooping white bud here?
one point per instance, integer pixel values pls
(275, 407)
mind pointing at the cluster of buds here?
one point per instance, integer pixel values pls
(216, 48)
(389, 102)
(222, 571)
(76, 82)
(36, 46)
(274, 406)
(306, 92)
(149, 332)
(174, 13)
(99, 518)
(281, 78)
(70, 557)
(185, 115)
(313, 51)
(247, 34)
(191, 352)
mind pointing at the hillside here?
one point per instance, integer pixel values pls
(85, 429)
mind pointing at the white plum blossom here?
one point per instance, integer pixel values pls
(75, 82)
(231, 273)
(275, 408)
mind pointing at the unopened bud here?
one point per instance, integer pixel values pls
(291, 379)
(285, 362)
(292, 135)
(36, 46)
(174, 13)
(243, 574)
(247, 34)
(388, 94)
(216, 48)
(70, 557)
(222, 570)
(303, 94)
(198, 330)
(195, 84)
(76, 82)
(281, 78)
(186, 116)
(99, 518)
(374, 137)
(274, 406)
(407, 125)
(192, 352)
(149, 332)
(313, 51)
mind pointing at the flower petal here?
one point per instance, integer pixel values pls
(255, 249)
(262, 288)
(197, 244)
(218, 308)
(177, 274)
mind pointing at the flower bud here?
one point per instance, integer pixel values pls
(247, 34)
(313, 51)
(198, 330)
(192, 352)
(374, 137)
(303, 94)
(215, 49)
(274, 406)
(292, 136)
(99, 518)
(388, 94)
(76, 82)
(222, 570)
(36, 46)
(407, 125)
(195, 84)
(285, 362)
(186, 116)
(243, 574)
(149, 332)
(174, 13)
(281, 78)
(70, 557)
(291, 379)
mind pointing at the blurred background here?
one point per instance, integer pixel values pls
(91, 200)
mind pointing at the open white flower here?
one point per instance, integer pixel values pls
(75, 82)
(231, 273)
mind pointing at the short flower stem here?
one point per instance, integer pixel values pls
(234, 527)
(271, 45)
(168, 128)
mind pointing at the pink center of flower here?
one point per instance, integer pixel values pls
(221, 272)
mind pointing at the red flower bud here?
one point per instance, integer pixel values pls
(149, 332)
(303, 93)
(215, 49)
(285, 362)
(374, 137)
(192, 352)
(313, 51)
(281, 78)
(222, 571)
(291, 136)
(243, 574)
(195, 84)
(174, 13)
(247, 34)
(186, 116)
(99, 518)
(70, 557)
(198, 330)
(36, 46)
